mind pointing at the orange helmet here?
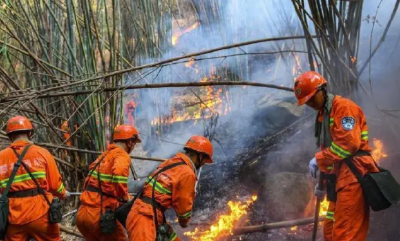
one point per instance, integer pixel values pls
(126, 132)
(19, 123)
(202, 145)
(306, 85)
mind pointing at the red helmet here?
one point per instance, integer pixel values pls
(306, 85)
(18, 123)
(202, 145)
(126, 132)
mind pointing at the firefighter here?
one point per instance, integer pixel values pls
(28, 217)
(106, 187)
(172, 185)
(341, 132)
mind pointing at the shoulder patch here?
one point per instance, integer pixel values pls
(348, 123)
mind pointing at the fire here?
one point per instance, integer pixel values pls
(176, 36)
(378, 151)
(213, 100)
(225, 224)
(323, 208)
(353, 59)
(293, 228)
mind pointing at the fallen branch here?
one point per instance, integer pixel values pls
(268, 226)
(151, 86)
(69, 231)
(95, 152)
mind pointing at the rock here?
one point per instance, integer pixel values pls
(285, 196)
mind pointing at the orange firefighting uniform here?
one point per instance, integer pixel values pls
(28, 217)
(174, 188)
(114, 172)
(349, 132)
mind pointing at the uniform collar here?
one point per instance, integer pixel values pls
(20, 143)
(187, 160)
(114, 146)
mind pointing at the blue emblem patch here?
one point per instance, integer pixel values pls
(348, 123)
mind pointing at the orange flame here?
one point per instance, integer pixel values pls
(378, 151)
(176, 36)
(190, 63)
(225, 223)
(212, 101)
(323, 208)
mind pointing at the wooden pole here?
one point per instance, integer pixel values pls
(277, 225)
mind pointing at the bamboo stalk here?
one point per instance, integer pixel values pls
(96, 152)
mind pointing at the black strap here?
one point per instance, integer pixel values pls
(40, 190)
(14, 172)
(151, 202)
(352, 167)
(98, 179)
(26, 193)
(97, 190)
(155, 178)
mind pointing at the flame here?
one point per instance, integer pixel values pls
(225, 224)
(176, 36)
(378, 151)
(323, 208)
(213, 100)
(353, 59)
(293, 228)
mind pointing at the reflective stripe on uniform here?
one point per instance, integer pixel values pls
(110, 178)
(329, 215)
(364, 135)
(23, 177)
(186, 215)
(158, 186)
(61, 188)
(173, 236)
(339, 151)
(331, 122)
(330, 167)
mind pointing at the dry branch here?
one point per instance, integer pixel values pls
(69, 231)
(268, 226)
(95, 152)
(151, 86)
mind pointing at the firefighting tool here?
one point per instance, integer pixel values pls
(55, 215)
(380, 189)
(75, 193)
(4, 203)
(319, 192)
(317, 207)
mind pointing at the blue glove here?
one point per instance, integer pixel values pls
(319, 194)
(313, 167)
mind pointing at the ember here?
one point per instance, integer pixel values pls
(225, 223)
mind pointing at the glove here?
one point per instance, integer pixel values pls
(319, 194)
(313, 167)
